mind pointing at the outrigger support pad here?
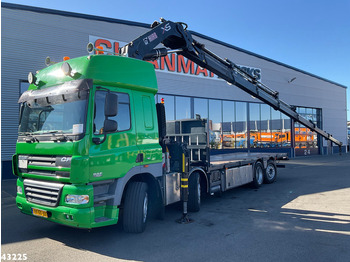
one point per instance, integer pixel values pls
(185, 218)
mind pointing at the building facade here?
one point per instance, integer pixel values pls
(237, 121)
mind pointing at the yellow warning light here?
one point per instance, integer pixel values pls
(162, 100)
(99, 50)
(65, 58)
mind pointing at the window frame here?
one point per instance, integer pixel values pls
(102, 89)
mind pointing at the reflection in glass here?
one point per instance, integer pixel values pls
(215, 119)
(276, 128)
(285, 135)
(304, 137)
(122, 118)
(228, 134)
(58, 118)
(266, 136)
(254, 124)
(183, 107)
(169, 104)
(201, 107)
(241, 125)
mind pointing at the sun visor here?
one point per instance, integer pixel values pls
(63, 90)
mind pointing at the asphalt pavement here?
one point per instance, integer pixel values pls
(303, 216)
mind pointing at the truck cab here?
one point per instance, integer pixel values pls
(88, 126)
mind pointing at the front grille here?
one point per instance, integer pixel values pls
(37, 164)
(49, 161)
(43, 193)
(44, 161)
(41, 172)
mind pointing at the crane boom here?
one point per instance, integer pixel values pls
(175, 38)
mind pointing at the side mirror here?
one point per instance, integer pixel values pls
(111, 105)
(110, 126)
(111, 109)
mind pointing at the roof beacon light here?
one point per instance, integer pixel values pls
(99, 50)
(65, 58)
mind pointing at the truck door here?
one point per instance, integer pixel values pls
(147, 129)
(116, 155)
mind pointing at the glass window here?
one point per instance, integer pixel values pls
(122, 118)
(285, 132)
(228, 118)
(183, 107)
(201, 107)
(56, 118)
(309, 115)
(266, 136)
(241, 125)
(169, 104)
(23, 87)
(215, 119)
(276, 127)
(254, 124)
(304, 137)
(319, 117)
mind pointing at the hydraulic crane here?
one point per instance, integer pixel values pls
(176, 39)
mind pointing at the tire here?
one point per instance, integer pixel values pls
(258, 175)
(270, 173)
(194, 192)
(135, 208)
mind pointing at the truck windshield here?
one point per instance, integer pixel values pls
(59, 109)
(68, 118)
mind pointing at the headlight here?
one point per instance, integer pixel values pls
(19, 190)
(77, 199)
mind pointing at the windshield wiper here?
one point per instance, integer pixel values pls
(60, 138)
(30, 138)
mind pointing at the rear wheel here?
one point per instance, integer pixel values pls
(258, 175)
(135, 207)
(270, 172)
(194, 192)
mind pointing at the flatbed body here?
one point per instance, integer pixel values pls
(220, 161)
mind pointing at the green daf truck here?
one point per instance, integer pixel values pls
(94, 147)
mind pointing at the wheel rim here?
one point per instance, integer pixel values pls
(145, 208)
(259, 175)
(270, 172)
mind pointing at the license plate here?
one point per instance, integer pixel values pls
(39, 213)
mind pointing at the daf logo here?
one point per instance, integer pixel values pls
(64, 159)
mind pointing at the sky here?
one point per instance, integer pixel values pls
(312, 35)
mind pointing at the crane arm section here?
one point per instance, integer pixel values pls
(177, 39)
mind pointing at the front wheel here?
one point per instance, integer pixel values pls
(270, 172)
(135, 207)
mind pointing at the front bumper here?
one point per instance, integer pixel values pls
(64, 215)
(81, 216)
